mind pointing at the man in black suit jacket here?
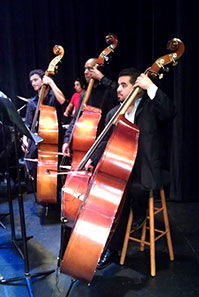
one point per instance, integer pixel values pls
(150, 110)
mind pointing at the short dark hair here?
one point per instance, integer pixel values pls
(132, 72)
(81, 81)
(40, 72)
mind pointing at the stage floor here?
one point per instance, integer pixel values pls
(179, 278)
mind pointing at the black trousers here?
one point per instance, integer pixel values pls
(136, 198)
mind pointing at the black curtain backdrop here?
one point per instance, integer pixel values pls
(31, 28)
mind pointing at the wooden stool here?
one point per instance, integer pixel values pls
(152, 231)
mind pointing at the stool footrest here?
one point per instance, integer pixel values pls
(152, 232)
(162, 233)
(139, 240)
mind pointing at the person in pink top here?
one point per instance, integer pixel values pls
(79, 87)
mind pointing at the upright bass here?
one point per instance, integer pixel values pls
(102, 205)
(84, 135)
(85, 129)
(48, 130)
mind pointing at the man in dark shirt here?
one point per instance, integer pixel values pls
(53, 97)
(103, 96)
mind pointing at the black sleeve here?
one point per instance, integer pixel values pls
(105, 81)
(30, 111)
(163, 106)
(95, 157)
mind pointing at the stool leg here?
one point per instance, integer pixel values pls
(143, 237)
(167, 228)
(152, 234)
(126, 239)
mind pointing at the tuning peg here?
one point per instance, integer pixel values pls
(160, 75)
(166, 69)
(173, 57)
(174, 63)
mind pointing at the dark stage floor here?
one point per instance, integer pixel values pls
(179, 278)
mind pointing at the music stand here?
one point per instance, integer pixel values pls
(11, 116)
(6, 173)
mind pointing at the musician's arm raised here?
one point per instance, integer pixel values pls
(58, 93)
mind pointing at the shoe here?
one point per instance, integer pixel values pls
(138, 223)
(40, 210)
(106, 258)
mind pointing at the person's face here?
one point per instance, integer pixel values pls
(124, 87)
(36, 82)
(87, 68)
(77, 87)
